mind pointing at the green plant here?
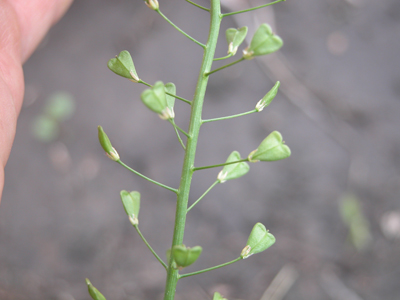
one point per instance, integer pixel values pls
(160, 98)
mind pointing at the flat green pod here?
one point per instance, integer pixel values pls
(122, 65)
(93, 292)
(131, 203)
(218, 296)
(264, 42)
(259, 240)
(185, 256)
(234, 38)
(155, 98)
(233, 171)
(106, 144)
(272, 148)
(170, 88)
(267, 99)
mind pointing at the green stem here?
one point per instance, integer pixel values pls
(194, 129)
(150, 248)
(180, 30)
(202, 196)
(177, 97)
(177, 133)
(223, 67)
(250, 9)
(199, 6)
(147, 178)
(180, 98)
(225, 57)
(145, 83)
(183, 131)
(221, 165)
(210, 269)
(230, 117)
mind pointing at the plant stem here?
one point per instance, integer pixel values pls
(225, 57)
(177, 97)
(221, 165)
(147, 178)
(202, 196)
(180, 30)
(228, 65)
(150, 248)
(199, 6)
(210, 269)
(183, 131)
(230, 117)
(194, 129)
(250, 9)
(177, 133)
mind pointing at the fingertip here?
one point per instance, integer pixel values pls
(35, 19)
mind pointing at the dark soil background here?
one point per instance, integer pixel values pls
(61, 219)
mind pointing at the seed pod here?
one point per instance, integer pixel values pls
(264, 41)
(155, 99)
(259, 240)
(106, 145)
(271, 148)
(267, 99)
(93, 292)
(185, 256)
(233, 171)
(122, 65)
(170, 88)
(153, 4)
(217, 296)
(235, 37)
(131, 203)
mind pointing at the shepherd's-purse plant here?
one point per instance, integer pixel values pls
(160, 98)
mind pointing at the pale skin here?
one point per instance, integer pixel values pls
(23, 24)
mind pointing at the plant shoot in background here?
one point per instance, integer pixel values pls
(160, 98)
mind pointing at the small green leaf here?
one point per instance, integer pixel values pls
(45, 128)
(259, 240)
(263, 42)
(217, 296)
(122, 65)
(267, 99)
(106, 144)
(131, 203)
(235, 37)
(93, 292)
(155, 99)
(60, 106)
(185, 256)
(233, 171)
(271, 148)
(170, 88)
(356, 221)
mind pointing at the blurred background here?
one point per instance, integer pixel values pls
(333, 205)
